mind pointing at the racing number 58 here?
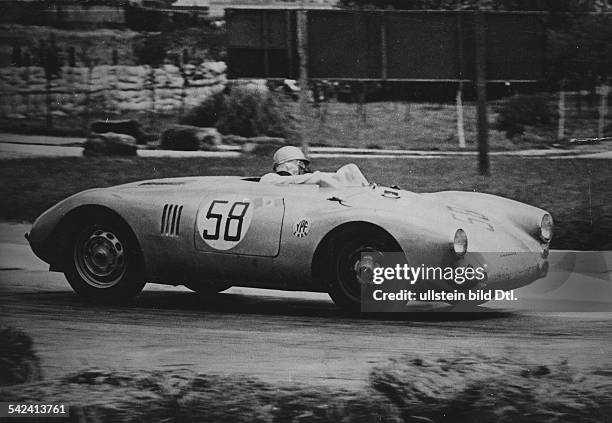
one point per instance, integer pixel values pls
(231, 216)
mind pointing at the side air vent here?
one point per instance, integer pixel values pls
(171, 219)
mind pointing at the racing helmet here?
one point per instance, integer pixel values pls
(287, 153)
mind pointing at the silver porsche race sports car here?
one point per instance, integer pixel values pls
(210, 233)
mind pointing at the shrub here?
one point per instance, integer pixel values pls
(126, 126)
(18, 361)
(466, 387)
(523, 110)
(207, 113)
(246, 111)
(479, 388)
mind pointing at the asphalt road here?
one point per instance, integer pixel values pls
(271, 335)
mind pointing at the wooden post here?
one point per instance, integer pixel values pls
(604, 91)
(183, 90)
(561, 128)
(86, 111)
(481, 91)
(264, 40)
(362, 99)
(289, 41)
(49, 114)
(50, 69)
(460, 128)
(302, 46)
(383, 47)
(153, 94)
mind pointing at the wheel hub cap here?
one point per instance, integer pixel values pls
(100, 259)
(364, 270)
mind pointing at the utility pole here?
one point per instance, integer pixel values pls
(481, 92)
(302, 46)
(604, 91)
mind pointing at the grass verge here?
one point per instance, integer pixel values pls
(576, 192)
(383, 125)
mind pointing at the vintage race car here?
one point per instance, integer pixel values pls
(210, 233)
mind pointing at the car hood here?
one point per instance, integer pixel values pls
(492, 223)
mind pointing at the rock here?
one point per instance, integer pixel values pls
(110, 144)
(128, 127)
(215, 67)
(190, 138)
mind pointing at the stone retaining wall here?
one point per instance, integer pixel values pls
(25, 92)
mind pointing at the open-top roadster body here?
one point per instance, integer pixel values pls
(210, 233)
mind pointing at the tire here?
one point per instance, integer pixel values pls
(206, 290)
(346, 283)
(103, 261)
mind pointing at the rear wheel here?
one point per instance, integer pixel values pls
(103, 262)
(356, 256)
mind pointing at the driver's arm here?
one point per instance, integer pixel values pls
(316, 178)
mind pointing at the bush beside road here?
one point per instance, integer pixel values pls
(459, 387)
(576, 192)
(19, 362)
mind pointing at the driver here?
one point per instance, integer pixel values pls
(291, 166)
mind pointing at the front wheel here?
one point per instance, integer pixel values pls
(103, 262)
(356, 256)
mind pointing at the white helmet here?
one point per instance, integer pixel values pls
(287, 153)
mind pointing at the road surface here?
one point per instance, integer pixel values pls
(20, 146)
(276, 336)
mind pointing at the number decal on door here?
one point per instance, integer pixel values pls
(217, 217)
(238, 218)
(222, 224)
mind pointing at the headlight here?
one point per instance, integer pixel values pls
(546, 228)
(460, 243)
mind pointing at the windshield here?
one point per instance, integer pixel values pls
(350, 176)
